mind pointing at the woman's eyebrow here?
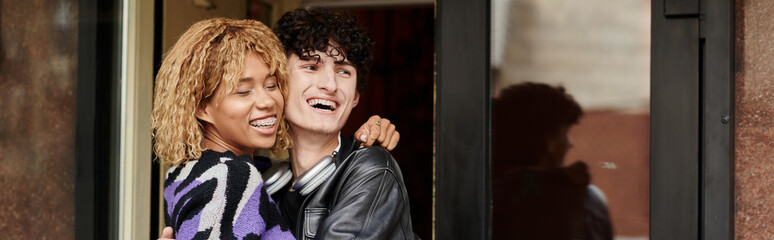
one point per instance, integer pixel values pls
(247, 79)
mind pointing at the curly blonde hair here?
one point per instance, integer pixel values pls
(210, 54)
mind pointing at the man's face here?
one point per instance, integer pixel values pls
(322, 93)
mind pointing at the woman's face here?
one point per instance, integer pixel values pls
(245, 119)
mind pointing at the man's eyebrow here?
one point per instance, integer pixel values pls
(311, 57)
(344, 62)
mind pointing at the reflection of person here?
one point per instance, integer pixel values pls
(364, 197)
(536, 197)
(219, 99)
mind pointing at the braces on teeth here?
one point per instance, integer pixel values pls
(264, 124)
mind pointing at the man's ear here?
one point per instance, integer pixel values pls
(357, 99)
(203, 113)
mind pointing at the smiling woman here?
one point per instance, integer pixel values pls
(244, 119)
(211, 56)
(219, 96)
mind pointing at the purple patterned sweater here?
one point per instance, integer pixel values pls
(220, 196)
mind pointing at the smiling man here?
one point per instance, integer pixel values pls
(340, 190)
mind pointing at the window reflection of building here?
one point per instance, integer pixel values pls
(38, 95)
(599, 51)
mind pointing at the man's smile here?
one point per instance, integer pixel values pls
(322, 104)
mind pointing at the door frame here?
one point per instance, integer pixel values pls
(463, 194)
(99, 64)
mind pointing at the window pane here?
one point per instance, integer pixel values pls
(557, 171)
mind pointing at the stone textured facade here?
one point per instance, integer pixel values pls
(754, 119)
(38, 82)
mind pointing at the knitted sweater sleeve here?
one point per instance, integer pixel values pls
(219, 197)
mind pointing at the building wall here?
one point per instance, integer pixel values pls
(754, 119)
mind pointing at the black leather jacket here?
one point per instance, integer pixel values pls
(365, 198)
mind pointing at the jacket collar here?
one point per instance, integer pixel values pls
(346, 147)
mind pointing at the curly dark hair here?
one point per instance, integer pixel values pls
(525, 115)
(304, 31)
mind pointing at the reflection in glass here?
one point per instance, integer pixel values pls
(38, 95)
(592, 53)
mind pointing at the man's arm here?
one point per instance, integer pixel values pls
(372, 204)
